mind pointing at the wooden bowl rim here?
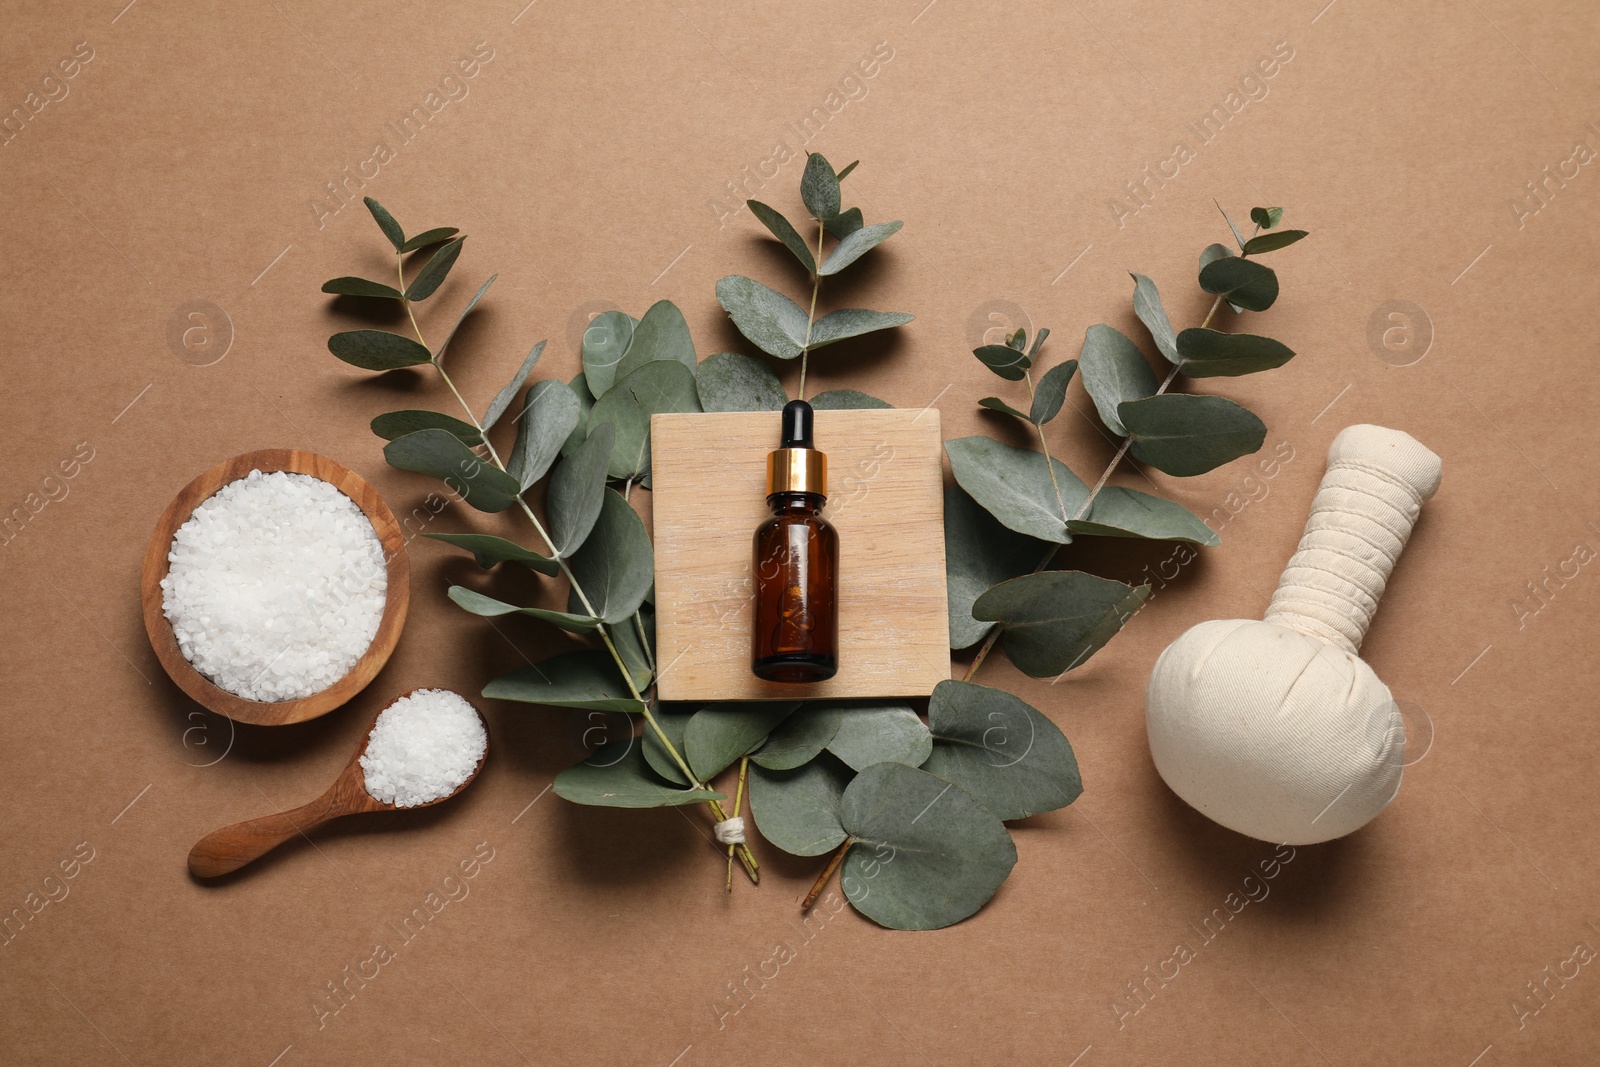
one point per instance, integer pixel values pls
(397, 595)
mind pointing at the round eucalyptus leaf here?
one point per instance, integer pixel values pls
(925, 855)
(490, 551)
(586, 678)
(819, 187)
(1243, 282)
(728, 381)
(490, 608)
(616, 564)
(605, 341)
(672, 724)
(796, 740)
(979, 553)
(443, 455)
(768, 319)
(549, 414)
(660, 334)
(875, 733)
(658, 386)
(1015, 486)
(397, 424)
(785, 232)
(610, 780)
(1055, 620)
(1184, 434)
(846, 323)
(719, 734)
(1051, 392)
(1121, 512)
(1015, 761)
(1114, 371)
(798, 809)
(847, 400)
(577, 491)
(1147, 305)
(1211, 354)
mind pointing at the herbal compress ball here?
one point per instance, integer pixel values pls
(1278, 729)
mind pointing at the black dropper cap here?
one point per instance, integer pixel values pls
(797, 425)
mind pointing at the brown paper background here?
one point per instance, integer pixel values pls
(180, 167)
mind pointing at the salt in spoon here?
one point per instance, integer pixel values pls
(226, 850)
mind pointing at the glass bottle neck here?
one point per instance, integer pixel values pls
(795, 503)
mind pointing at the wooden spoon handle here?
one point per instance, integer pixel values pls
(226, 850)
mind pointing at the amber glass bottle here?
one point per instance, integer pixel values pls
(796, 563)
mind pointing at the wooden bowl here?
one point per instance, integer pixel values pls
(397, 595)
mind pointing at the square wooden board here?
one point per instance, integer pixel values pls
(886, 499)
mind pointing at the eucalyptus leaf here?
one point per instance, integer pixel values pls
(768, 319)
(349, 286)
(577, 491)
(1237, 236)
(490, 551)
(1271, 242)
(585, 678)
(1211, 253)
(925, 853)
(728, 381)
(630, 646)
(798, 809)
(1051, 392)
(438, 356)
(391, 229)
(848, 167)
(655, 753)
(1014, 485)
(847, 400)
(1053, 621)
(1122, 512)
(873, 733)
(785, 232)
(580, 433)
(378, 350)
(508, 392)
(624, 781)
(1209, 353)
(853, 322)
(994, 403)
(550, 413)
(1147, 305)
(433, 273)
(429, 237)
(662, 334)
(616, 564)
(490, 608)
(819, 187)
(979, 553)
(605, 342)
(397, 424)
(1114, 371)
(798, 739)
(858, 244)
(1004, 360)
(1266, 217)
(656, 387)
(1185, 435)
(1012, 759)
(719, 734)
(1243, 282)
(845, 223)
(443, 455)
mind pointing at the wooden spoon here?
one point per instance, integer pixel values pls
(226, 850)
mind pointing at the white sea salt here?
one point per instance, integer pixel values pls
(276, 586)
(423, 747)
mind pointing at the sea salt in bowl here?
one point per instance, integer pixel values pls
(200, 620)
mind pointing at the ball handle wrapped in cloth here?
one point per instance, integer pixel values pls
(1278, 729)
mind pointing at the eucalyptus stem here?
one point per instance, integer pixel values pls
(811, 316)
(1083, 509)
(1049, 464)
(738, 802)
(827, 872)
(717, 811)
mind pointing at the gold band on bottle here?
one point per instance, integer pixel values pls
(797, 470)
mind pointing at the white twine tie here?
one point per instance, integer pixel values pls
(730, 831)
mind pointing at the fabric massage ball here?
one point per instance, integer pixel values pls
(1276, 728)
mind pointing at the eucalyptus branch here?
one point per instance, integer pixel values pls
(746, 856)
(811, 315)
